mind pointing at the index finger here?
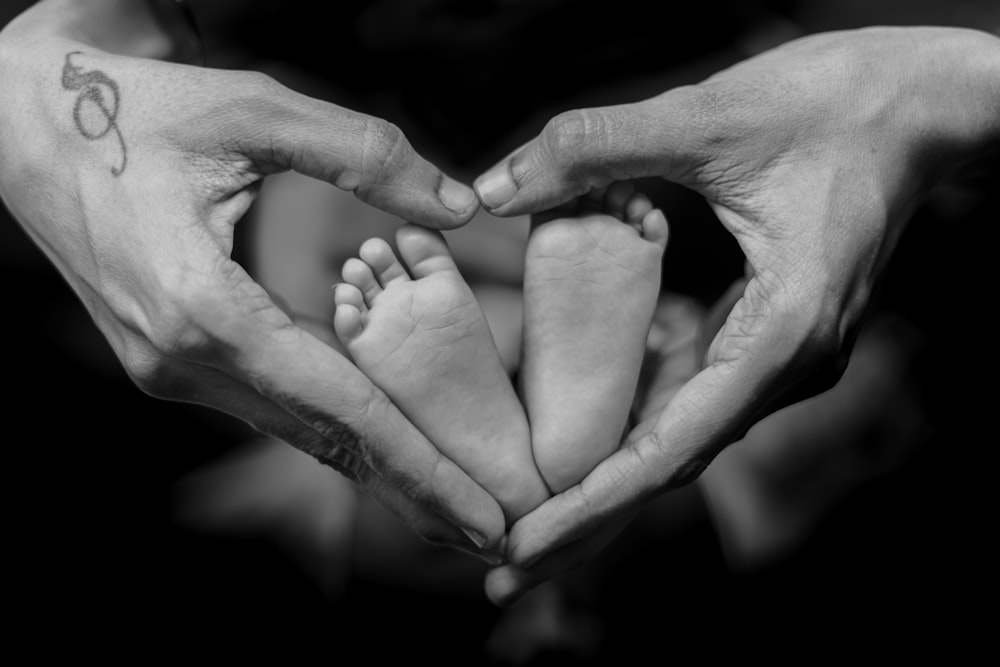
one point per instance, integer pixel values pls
(757, 355)
(328, 393)
(232, 325)
(281, 129)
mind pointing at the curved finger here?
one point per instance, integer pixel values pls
(338, 448)
(764, 350)
(326, 406)
(608, 496)
(506, 584)
(280, 129)
(316, 386)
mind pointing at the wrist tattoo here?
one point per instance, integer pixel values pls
(99, 100)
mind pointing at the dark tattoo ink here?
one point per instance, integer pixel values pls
(92, 86)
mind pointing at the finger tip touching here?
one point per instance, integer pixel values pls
(496, 188)
(507, 584)
(459, 200)
(447, 205)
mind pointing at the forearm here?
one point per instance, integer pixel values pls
(159, 29)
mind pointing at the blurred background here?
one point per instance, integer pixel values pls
(856, 524)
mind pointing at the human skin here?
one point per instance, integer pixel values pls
(591, 283)
(814, 155)
(414, 325)
(130, 169)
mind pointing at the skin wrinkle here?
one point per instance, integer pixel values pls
(630, 268)
(579, 281)
(646, 459)
(611, 162)
(741, 327)
(456, 310)
(619, 477)
(444, 327)
(385, 152)
(574, 263)
(134, 263)
(402, 341)
(271, 155)
(564, 136)
(334, 429)
(799, 344)
(194, 330)
(429, 359)
(345, 440)
(223, 174)
(341, 457)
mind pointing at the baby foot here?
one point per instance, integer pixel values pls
(591, 283)
(425, 342)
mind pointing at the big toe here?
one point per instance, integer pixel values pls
(424, 250)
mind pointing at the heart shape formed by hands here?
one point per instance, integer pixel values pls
(590, 289)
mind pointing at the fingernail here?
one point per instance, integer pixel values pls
(456, 196)
(492, 559)
(496, 187)
(477, 538)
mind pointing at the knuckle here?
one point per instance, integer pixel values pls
(259, 83)
(568, 134)
(688, 471)
(152, 372)
(189, 321)
(385, 149)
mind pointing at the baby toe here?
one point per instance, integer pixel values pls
(379, 256)
(360, 275)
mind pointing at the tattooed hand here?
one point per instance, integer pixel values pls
(91, 86)
(131, 172)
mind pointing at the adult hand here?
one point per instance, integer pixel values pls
(813, 155)
(675, 349)
(131, 173)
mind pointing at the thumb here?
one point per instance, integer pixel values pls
(588, 148)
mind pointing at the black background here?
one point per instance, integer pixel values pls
(95, 566)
